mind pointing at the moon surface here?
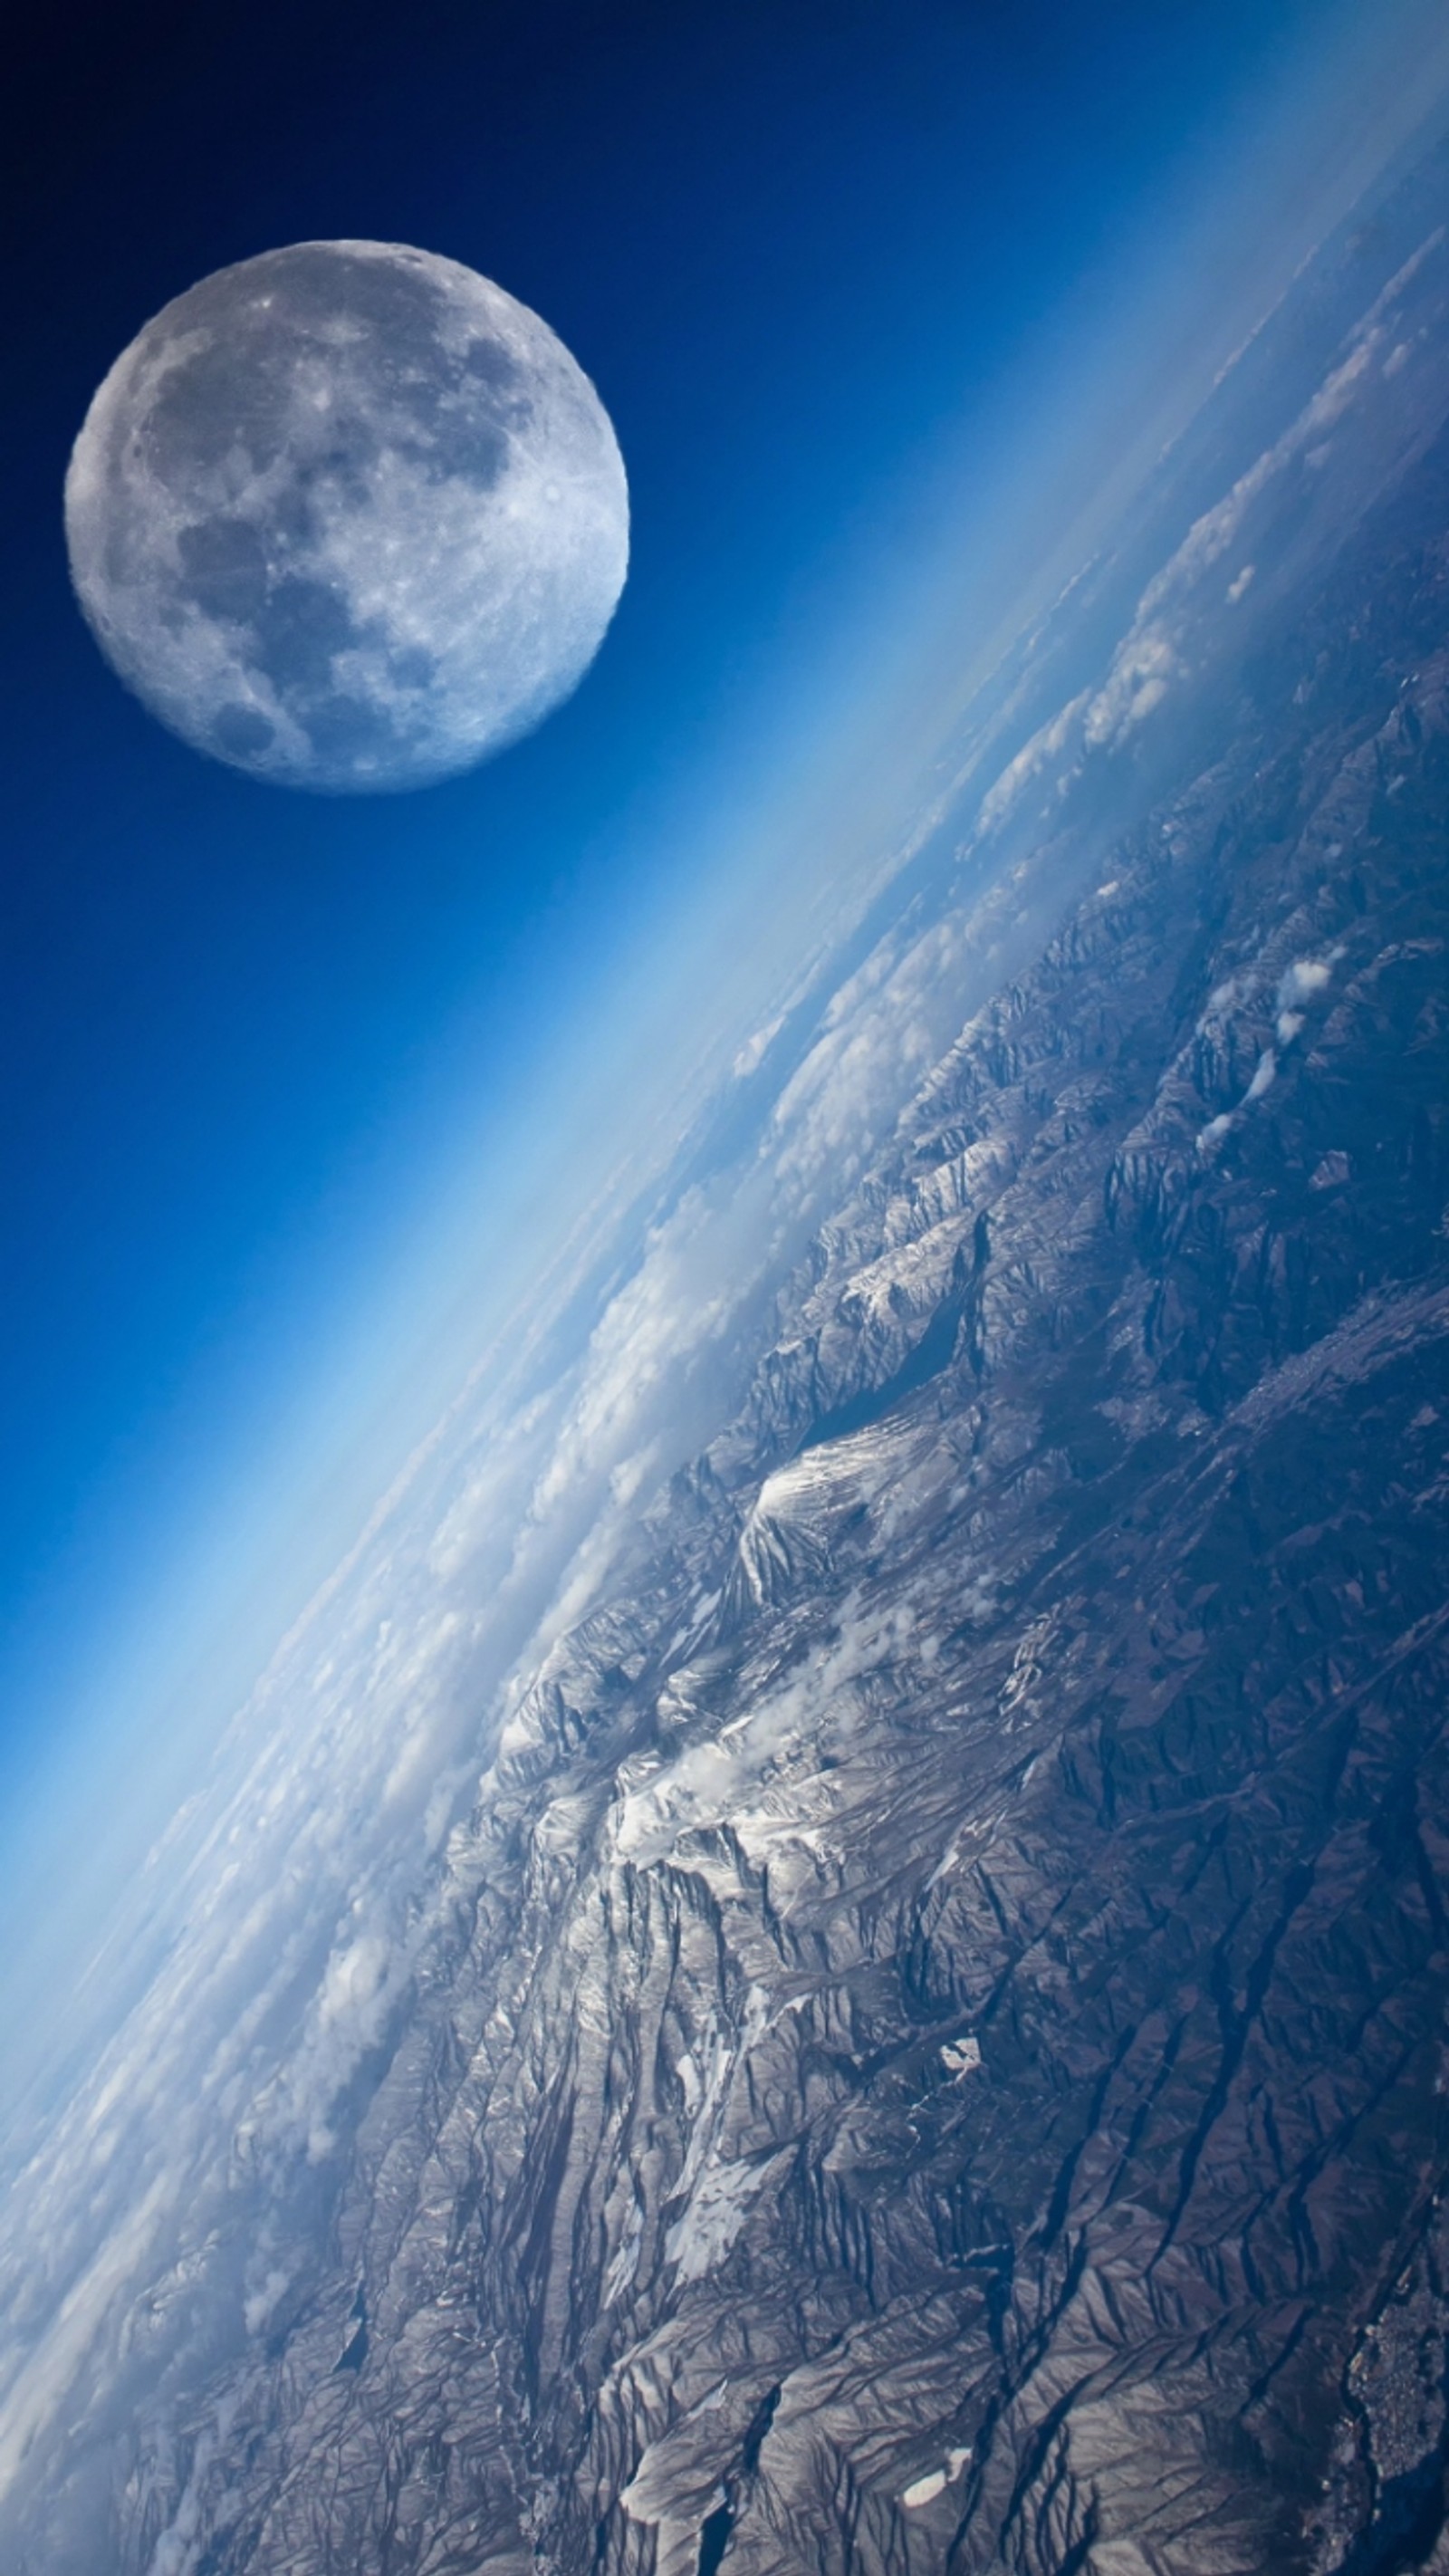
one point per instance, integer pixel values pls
(348, 517)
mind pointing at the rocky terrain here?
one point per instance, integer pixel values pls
(929, 2050)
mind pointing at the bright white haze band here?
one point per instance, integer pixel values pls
(348, 516)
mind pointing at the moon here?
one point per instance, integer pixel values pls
(347, 516)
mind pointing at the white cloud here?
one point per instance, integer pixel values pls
(1264, 1073)
(1138, 681)
(1300, 981)
(1166, 634)
(1045, 746)
(752, 1054)
(261, 2306)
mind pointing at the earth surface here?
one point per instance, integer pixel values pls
(829, 1953)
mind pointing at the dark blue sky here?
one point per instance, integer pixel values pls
(797, 246)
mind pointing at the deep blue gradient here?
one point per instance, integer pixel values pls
(248, 1035)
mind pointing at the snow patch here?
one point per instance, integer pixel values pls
(698, 2242)
(962, 2056)
(925, 2490)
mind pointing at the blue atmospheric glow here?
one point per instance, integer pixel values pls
(300, 1093)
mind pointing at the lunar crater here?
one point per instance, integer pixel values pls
(348, 516)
